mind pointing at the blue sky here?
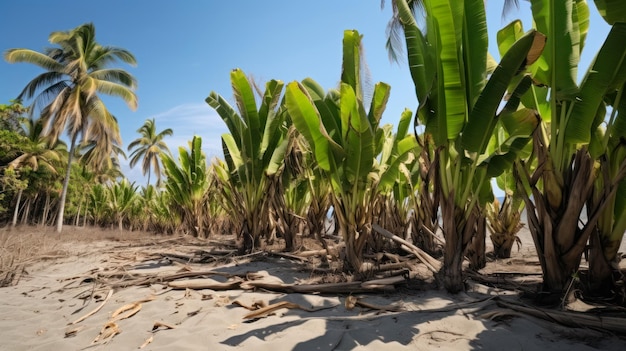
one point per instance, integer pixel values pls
(186, 49)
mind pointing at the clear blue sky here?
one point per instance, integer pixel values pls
(186, 49)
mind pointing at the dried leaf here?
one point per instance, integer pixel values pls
(95, 310)
(130, 309)
(107, 333)
(350, 302)
(147, 342)
(158, 325)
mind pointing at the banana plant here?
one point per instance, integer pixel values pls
(225, 201)
(391, 205)
(458, 106)
(319, 190)
(605, 240)
(254, 149)
(289, 195)
(187, 185)
(569, 148)
(342, 136)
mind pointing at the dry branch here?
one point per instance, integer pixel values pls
(570, 319)
(267, 310)
(95, 310)
(204, 284)
(430, 262)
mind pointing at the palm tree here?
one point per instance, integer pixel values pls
(36, 153)
(67, 93)
(149, 147)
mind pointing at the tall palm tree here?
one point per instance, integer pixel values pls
(35, 154)
(67, 93)
(149, 147)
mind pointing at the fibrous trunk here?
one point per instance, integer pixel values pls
(458, 229)
(554, 214)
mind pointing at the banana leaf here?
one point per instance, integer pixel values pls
(608, 70)
(612, 11)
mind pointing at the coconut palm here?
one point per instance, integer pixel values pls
(67, 93)
(122, 197)
(148, 149)
(101, 157)
(36, 154)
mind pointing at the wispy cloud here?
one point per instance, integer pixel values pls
(193, 119)
(186, 121)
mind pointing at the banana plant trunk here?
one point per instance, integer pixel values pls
(601, 270)
(554, 215)
(476, 250)
(458, 232)
(354, 236)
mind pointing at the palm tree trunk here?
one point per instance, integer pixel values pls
(46, 207)
(80, 206)
(66, 183)
(17, 207)
(26, 211)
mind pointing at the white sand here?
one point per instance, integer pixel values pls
(34, 315)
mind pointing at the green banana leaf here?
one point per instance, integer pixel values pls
(608, 70)
(482, 118)
(612, 11)
(560, 21)
(475, 45)
(444, 22)
(420, 53)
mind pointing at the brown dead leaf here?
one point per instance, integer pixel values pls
(107, 333)
(131, 309)
(73, 331)
(350, 302)
(164, 325)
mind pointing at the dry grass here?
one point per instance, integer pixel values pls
(24, 245)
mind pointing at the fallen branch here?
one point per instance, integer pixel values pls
(353, 301)
(266, 311)
(430, 262)
(206, 283)
(570, 319)
(95, 310)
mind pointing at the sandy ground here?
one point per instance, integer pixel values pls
(44, 311)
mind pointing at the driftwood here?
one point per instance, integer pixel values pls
(95, 310)
(206, 283)
(353, 301)
(327, 288)
(430, 262)
(570, 319)
(267, 310)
